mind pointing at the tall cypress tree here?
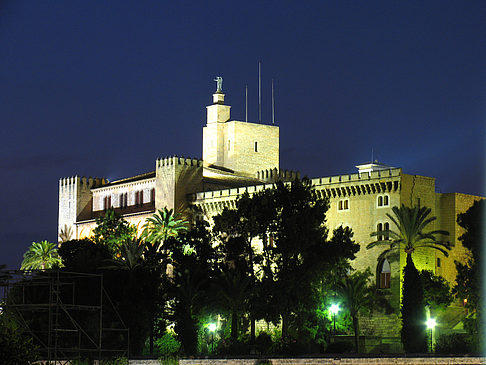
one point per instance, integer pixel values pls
(414, 336)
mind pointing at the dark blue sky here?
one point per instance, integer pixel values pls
(101, 88)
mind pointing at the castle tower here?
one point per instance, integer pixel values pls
(75, 197)
(241, 147)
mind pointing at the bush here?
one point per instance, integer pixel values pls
(455, 343)
(263, 343)
(167, 345)
(15, 349)
(340, 347)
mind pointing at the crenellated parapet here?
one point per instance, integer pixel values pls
(375, 182)
(176, 160)
(83, 181)
(273, 175)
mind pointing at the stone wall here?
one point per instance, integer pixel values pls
(341, 361)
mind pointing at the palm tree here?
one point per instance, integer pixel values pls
(41, 255)
(162, 225)
(358, 297)
(232, 287)
(410, 235)
(65, 234)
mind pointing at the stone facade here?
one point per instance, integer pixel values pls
(243, 157)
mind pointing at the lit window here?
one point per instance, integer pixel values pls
(385, 275)
(256, 146)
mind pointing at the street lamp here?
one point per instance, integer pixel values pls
(212, 328)
(334, 309)
(431, 323)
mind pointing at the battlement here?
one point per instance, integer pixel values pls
(272, 175)
(176, 160)
(83, 181)
(364, 176)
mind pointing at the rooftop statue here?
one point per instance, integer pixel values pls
(219, 84)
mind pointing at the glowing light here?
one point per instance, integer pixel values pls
(431, 323)
(212, 327)
(334, 308)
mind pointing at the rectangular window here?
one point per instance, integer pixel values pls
(438, 261)
(152, 195)
(229, 144)
(137, 198)
(256, 146)
(141, 197)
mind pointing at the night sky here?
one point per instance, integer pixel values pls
(103, 88)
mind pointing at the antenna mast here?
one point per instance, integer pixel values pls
(273, 105)
(246, 103)
(259, 91)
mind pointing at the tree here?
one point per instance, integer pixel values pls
(411, 235)
(162, 225)
(437, 292)
(112, 230)
(468, 280)
(41, 255)
(231, 287)
(236, 229)
(358, 297)
(299, 252)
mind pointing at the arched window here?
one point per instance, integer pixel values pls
(379, 228)
(380, 201)
(386, 227)
(385, 200)
(385, 275)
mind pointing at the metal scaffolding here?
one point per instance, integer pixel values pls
(68, 315)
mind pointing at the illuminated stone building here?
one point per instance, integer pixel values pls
(244, 157)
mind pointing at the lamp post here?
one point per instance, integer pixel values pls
(212, 328)
(334, 309)
(431, 323)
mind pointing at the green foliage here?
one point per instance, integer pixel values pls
(163, 225)
(410, 235)
(453, 344)
(167, 345)
(358, 297)
(468, 281)
(41, 256)
(115, 361)
(437, 292)
(15, 348)
(413, 333)
(112, 230)
(84, 256)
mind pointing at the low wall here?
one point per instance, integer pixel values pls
(343, 361)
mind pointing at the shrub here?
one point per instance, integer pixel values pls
(263, 343)
(340, 347)
(167, 345)
(15, 348)
(454, 343)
